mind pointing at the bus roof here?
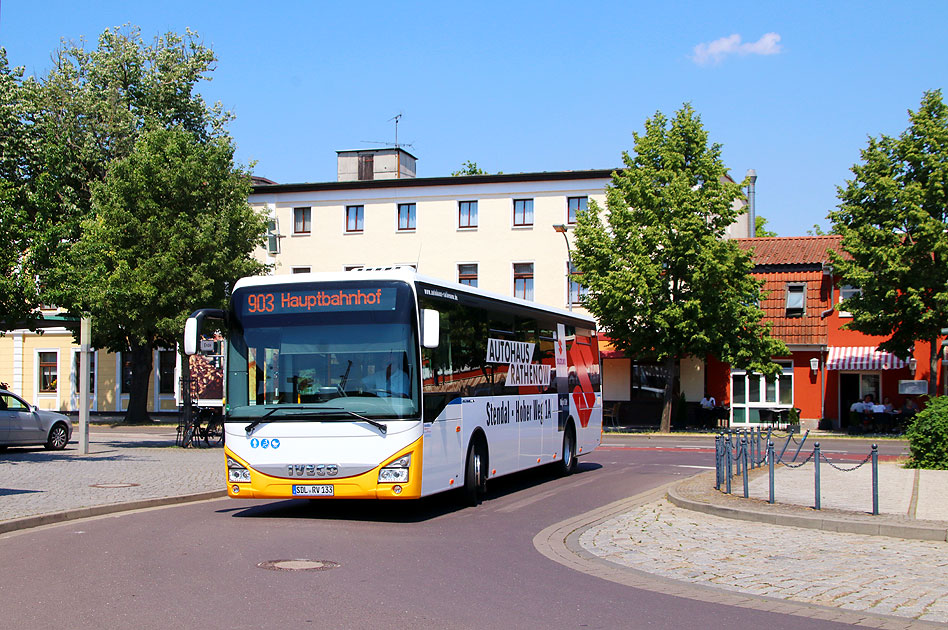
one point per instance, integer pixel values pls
(410, 276)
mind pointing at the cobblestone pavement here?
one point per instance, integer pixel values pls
(874, 574)
(139, 466)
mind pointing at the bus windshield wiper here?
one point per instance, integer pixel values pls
(253, 425)
(250, 427)
(378, 425)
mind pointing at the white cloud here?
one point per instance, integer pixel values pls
(715, 52)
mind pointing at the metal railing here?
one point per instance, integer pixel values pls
(738, 452)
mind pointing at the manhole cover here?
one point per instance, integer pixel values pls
(298, 565)
(113, 485)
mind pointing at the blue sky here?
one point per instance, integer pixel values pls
(791, 89)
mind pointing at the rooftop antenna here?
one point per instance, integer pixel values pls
(398, 156)
(396, 145)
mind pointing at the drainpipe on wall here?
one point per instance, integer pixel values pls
(751, 203)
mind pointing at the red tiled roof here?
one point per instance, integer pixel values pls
(791, 250)
(809, 328)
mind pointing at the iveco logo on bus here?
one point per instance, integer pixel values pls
(312, 470)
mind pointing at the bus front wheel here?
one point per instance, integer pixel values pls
(475, 473)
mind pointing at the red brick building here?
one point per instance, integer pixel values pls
(829, 368)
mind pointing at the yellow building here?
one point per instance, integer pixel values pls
(43, 367)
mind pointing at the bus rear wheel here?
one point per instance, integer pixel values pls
(475, 473)
(568, 463)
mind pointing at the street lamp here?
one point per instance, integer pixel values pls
(561, 228)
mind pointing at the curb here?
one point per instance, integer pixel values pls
(831, 521)
(560, 543)
(99, 510)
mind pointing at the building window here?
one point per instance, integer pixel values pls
(75, 370)
(846, 292)
(796, 300)
(126, 360)
(406, 216)
(523, 280)
(301, 269)
(523, 212)
(467, 214)
(166, 364)
(575, 205)
(48, 372)
(354, 218)
(302, 220)
(352, 267)
(755, 398)
(467, 274)
(576, 290)
(273, 236)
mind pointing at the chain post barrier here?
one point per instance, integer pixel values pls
(755, 444)
(802, 441)
(735, 452)
(784, 449)
(770, 460)
(816, 474)
(727, 463)
(875, 479)
(744, 457)
(717, 461)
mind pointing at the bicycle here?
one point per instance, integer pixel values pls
(213, 431)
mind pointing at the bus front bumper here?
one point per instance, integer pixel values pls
(363, 486)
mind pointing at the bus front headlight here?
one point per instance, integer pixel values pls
(236, 472)
(396, 471)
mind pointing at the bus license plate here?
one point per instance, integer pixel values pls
(313, 491)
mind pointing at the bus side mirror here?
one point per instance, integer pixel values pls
(430, 328)
(191, 336)
(192, 327)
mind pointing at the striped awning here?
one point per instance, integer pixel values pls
(861, 358)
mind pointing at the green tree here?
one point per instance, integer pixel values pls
(893, 217)
(103, 121)
(19, 299)
(172, 230)
(469, 168)
(90, 109)
(760, 228)
(662, 280)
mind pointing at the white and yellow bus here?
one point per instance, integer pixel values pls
(391, 385)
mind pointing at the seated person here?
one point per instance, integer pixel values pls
(868, 413)
(887, 405)
(909, 409)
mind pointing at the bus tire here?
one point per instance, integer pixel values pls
(475, 473)
(568, 463)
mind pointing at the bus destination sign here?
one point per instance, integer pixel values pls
(290, 301)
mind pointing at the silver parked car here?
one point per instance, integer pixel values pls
(23, 424)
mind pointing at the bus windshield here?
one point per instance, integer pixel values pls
(324, 351)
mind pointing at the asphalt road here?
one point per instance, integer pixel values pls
(396, 565)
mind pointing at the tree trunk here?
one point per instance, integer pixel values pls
(670, 389)
(141, 359)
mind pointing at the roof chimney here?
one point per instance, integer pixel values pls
(751, 203)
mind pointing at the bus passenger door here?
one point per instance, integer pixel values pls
(443, 459)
